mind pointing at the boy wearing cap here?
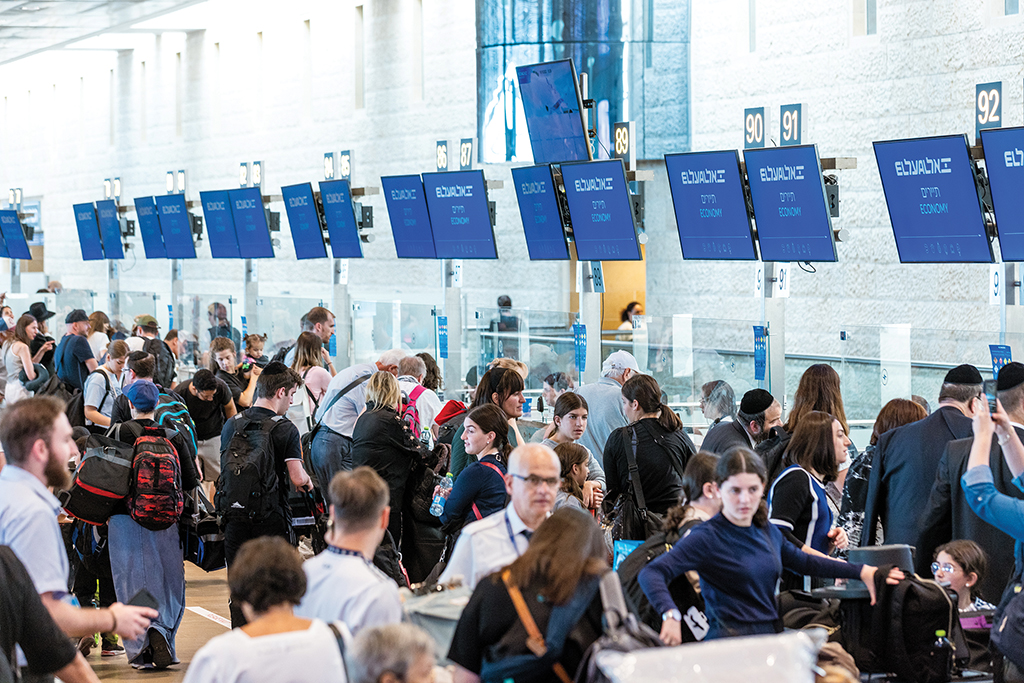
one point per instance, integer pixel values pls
(143, 558)
(758, 413)
(604, 400)
(74, 359)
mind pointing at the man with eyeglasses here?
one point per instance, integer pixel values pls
(496, 541)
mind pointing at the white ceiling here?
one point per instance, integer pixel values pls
(30, 27)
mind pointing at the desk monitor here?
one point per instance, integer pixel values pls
(11, 225)
(459, 217)
(175, 226)
(110, 229)
(251, 223)
(553, 110)
(339, 212)
(933, 200)
(1004, 161)
(149, 226)
(407, 211)
(538, 207)
(304, 221)
(711, 210)
(790, 208)
(88, 232)
(601, 209)
(220, 227)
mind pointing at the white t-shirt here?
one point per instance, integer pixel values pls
(341, 587)
(297, 657)
(428, 405)
(135, 343)
(98, 342)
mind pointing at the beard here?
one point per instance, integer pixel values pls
(57, 474)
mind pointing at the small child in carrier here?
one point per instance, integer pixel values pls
(254, 344)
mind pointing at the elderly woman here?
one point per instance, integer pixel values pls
(396, 653)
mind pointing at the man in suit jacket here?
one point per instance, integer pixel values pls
(907, 457)
(948, 516)
(758, 413)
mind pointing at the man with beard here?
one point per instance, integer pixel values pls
(38, 443)
(758, 413)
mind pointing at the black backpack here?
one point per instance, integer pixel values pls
(248, 486)
(164, 372)
(282, 353)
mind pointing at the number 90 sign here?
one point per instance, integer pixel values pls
(988, 107)
(753, 127)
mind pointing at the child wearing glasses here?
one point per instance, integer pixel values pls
(960, 566)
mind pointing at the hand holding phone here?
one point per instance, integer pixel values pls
(990, 394)
(144, 599)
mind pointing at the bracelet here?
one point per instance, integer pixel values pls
(113, 629)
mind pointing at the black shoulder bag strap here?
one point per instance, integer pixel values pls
(634, 474)
(316, 403)
(341, 647)
(338, 396)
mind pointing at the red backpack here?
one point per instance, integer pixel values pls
(409, 413)
(156, 499)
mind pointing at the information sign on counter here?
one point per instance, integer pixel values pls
(760, 352)
(1001, 355)
(442, 336)
(579, 340)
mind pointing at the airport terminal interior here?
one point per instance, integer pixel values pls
(748, 194)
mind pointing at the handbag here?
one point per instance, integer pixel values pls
(632, 521)
(202, 540)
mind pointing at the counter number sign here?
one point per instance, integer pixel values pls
(753, 128)
(466, 154)
(345, 162)
(988, 107)
(790, 124)
(441, 151)
(624, 148)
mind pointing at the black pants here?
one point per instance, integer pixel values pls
(236, 533)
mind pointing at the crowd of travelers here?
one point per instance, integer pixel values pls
(112, 450)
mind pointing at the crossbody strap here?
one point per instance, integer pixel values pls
(341, 646)
(337, 397)
(476, 510)
(534, 640)
(634, 473)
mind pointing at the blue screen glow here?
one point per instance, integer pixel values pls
(149, 226)
(175, 226)
(11, 233)
(251, 223)
(711, 211)
(304, 221)
(932, 199)
(110, 229)
(220, 227)
(602, 215)
(407, 210)
(459, 219)
(538, 206)
(788, 194)
(88, 232)
(1004, 161)
(551, 105)
(339, 213)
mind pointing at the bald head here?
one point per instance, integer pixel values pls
(532, 481)
(524, 458)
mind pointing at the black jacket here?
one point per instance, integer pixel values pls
(661, 457)
(903, 472)
(948, 516)
(723, 436)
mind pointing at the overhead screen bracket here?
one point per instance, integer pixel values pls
(981, 183)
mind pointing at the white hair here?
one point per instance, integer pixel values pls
(392, 357)
(613, 372)
(394, 648)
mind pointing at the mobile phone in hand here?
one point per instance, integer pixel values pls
(990, 394)
(144, 599)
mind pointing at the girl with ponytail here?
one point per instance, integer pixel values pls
(480, 489)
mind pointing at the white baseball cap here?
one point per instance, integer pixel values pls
(620, 360)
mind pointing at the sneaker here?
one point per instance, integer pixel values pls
(162, 657)
(111, 647)
(86, 644)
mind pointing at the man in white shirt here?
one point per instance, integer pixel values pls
(496, 541)
(411, 371)
(342, 583)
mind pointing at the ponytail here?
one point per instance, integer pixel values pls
(669, 420)
(644, 390)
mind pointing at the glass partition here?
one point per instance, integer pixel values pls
(381, 325)
(203, 317)
(133, 304)
(65, 302)
(279, 318)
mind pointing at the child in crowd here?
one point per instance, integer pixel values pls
(960, 565)
(575, 469)
(254, 344)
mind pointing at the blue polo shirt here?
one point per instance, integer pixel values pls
(28, 524)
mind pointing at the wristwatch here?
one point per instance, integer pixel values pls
(672, 614)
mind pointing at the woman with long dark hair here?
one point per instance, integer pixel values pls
(504, 388)
(480, 490)
(18, 357)
(568, 426)
(654, 439)
(308, 362)
(740, 557)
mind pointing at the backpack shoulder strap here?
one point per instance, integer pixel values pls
(341, 646)
(634, 472)
(534, 641)
(612, 599)
(416, 393)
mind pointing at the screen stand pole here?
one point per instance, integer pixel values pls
(454, 372)
(113, 287)
(341, 307)
(177, 293)
(773, 317)
(15, 276)
(1011, 315)
(252, 293)
(590, 317)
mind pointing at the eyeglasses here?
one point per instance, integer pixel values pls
(533, 481)
(947, 568)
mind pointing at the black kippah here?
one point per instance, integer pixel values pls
(1010, 375)
(963, 374)
(275, 368)
(756, 401)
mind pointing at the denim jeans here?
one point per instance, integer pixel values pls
(330, 453)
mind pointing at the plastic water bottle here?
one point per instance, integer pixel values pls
(943, 650)
(441, 493)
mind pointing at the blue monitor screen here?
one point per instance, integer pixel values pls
(459, 218)
(711, 211)
(5, 217)
(933, 201)
(220, 227)
(603, 225)
(551, 104)
(304, 221)
(538, 206)
(788, 193)
(149, 226)
(110, 229)
(251, 223)
(339, 212)
(88, 232)
(407, 210)
(1004, 161)
(14, 245)
(175, 226)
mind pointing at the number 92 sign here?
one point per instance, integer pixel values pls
(988, 107)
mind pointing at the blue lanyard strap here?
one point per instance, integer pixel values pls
(345, 551)
(511, 535)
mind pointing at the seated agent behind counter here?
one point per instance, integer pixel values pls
(208, 400)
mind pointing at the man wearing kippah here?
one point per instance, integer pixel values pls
(948, 516)
(758, 413)
(907, 457)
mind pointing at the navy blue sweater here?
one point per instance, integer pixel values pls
(739, 568)
(478, 484)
